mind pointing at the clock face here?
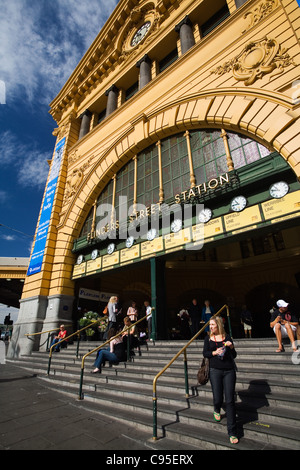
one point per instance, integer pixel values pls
(176, 225)
(129, 242)
(111, 248)
(79, 259)
(205, 215)
(94, 254)
(151, 234)
(279, 189)
(140, 34)
(238, 203)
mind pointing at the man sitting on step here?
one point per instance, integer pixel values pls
(285, 325)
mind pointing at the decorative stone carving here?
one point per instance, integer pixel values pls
(260, 12)
(257, 59)
(74, 181)
(139, 16)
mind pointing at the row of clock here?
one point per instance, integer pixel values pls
(237, 204)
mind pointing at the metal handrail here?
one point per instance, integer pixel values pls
(182, 350)
(46, 331)
(101, 346)
(65, 339)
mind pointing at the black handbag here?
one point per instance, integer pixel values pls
(203, 372)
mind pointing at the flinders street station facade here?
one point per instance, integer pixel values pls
(187, 105)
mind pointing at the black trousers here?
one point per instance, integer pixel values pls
(223, 383)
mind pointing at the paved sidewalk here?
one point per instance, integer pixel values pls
(34, 417)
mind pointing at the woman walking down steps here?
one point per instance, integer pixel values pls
(219, 349)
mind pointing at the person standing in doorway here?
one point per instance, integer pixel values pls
(132, 312)
(207, 312)
(247, 321)
(195, 315)
(113, 310)
(148, 309)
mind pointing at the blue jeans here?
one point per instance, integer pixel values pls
(54, 342)
(105, 355)
(223, 381)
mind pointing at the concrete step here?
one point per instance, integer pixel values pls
(267, 393)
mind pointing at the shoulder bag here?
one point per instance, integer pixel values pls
(203, 372)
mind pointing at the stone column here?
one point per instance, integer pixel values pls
(145, 71)
(229, 160)
(239, 3)
(185, 30)
(85, 123)
(192, 174)
(112, 99)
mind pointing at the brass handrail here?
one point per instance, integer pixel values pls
(101, 346)
(182, 350)
(65, 339)
(46, 331)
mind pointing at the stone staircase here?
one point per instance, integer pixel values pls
(267, 393)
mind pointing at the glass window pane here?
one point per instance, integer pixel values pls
(208, 153)
(251, 152)
(238, 158)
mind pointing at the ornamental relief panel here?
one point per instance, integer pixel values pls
(259, 13)
(75, 180)
(257, 59)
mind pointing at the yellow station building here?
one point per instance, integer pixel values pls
(186, 105)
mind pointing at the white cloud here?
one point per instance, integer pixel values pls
(8, 238)
(41, 43)
(30, 165)
(3, 196)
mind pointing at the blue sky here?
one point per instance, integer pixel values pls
(41, 42)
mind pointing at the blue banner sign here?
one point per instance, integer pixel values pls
(37, 256)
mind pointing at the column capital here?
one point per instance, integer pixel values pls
(112, 88)
(87, 113)
(186, 21)
(146, 59)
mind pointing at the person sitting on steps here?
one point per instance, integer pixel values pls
(114, 355)
(285, 325)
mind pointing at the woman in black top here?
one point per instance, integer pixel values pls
(219, 349)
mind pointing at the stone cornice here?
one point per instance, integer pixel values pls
(107, 50)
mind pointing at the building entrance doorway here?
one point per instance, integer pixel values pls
(255, 271)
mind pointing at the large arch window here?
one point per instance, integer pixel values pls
(209, 156)
(148, 176)
(175, 165)
(167, 168)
